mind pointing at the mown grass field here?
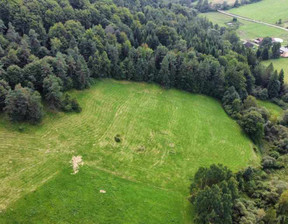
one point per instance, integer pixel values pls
(269, 11)
(247, 30)
(281, 63)
(165, 136)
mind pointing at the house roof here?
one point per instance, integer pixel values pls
(284, 49)
(248, 44)
(279, 40)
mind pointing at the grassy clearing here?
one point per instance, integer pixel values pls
(275, 110)
(165, 137)
(281, 63)
(269, 11)
(247, 30)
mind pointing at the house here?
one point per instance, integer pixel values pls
(284, 52)
(274, 40)
(258, 40)
(277, 40)
(248, 44)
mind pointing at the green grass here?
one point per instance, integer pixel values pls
(269, 11)
(274, 110)
(229, 2)
(166, 136)
(247, 30)
(76, 199)
(281, 63)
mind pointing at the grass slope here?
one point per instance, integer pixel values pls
(274, 110)
(76, 199)
(269, 11)
(166, 136)
(247, 30)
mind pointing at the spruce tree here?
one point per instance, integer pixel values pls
(281, 80)
(4, 90)
(52, 87)
(274, 86)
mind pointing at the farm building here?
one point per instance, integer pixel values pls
(277, 40)
(284, 52)
(258, 40)
(248, 44)
(274, 40)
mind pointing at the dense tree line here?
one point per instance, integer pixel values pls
(53, 46)
(48, 47)
(248, 196)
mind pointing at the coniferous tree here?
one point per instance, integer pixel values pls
(274, 86)
(4, 90)
(281, 80)
(2, 26)
(24, 104)
(34, 42)
(164, 73)
(82, 73)
(11, 34)
(276, 50)
(52, 87)
(14, 75)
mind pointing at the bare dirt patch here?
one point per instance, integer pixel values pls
(76, 163)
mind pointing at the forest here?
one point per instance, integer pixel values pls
(48, 47)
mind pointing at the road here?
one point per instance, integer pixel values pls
(251, 20)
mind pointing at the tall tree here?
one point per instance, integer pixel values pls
(52, 87)
(274, 86)
(4, 90)
(24, 104)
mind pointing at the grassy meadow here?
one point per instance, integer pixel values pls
(275, 111)
(166, 135)
(269, 11)
(247, 30)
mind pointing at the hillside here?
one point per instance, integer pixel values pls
(165, 136)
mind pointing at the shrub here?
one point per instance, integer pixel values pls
(117, 138)
(285, 98)
(70, 104)
(269, 162)
(282, 207)
(274, 154)
(253, 124)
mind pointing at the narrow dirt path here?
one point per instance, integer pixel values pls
(252, 20)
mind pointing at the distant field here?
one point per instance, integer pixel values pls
(230, 2)
(247, 30)
(279, 64)
(165, 137)
(269, 11)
